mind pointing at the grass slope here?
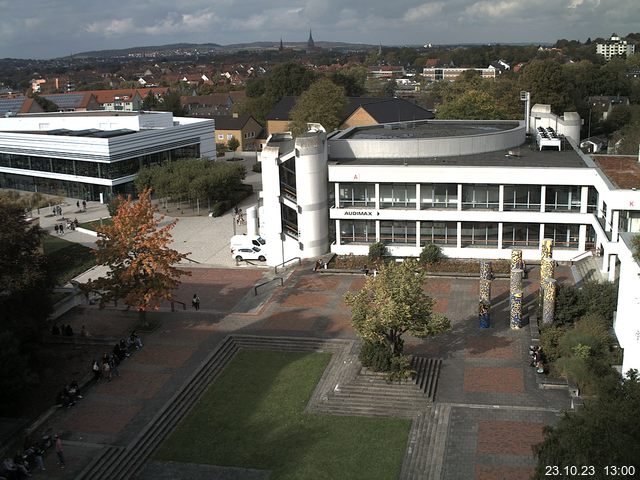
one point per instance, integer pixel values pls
(66, 259)
(252, 417)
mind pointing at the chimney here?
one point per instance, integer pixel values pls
(235, 114)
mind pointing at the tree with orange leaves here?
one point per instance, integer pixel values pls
(136, 250)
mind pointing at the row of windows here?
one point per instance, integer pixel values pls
(112, 170)
(521, 235)
(482, 197)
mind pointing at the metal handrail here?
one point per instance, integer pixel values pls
(255, 289)
(173, 308)
(287, 261)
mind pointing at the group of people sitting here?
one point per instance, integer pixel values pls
(63, 329)
(69, 395)
(537, 361)
(24, 463)
(108, 366)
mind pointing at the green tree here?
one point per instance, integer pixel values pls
(394, 303)
(25, 302)
(136, 249)
(605, 432)
(322, 103)
(472, 104)
(46, 104)
(547, 84)
(150, 101)
(233, 144)
(171, 103)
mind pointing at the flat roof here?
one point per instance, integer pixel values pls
(527, 155)
(429, 129)
(622, 170)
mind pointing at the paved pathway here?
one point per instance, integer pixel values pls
(495, 411)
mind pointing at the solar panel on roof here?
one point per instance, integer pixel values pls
(68, 100)
(11, 105)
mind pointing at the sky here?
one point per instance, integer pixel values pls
(55, 28)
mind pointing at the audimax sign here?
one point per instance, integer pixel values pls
(361, 213)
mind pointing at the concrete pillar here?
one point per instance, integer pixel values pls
(377, 195)
(516, 259)
(483, 314)
(459, 234)
(338, 233)
(418, 196)
(515, 312)
(584, 199)
(547, 268)
(543, 197)
(549, 301)
(501, 198)
(607, 222)
(459, 198)
(612, 267)
(547, 248)
(515, 280)
(582, 238)
(615, 225)
(500, 230)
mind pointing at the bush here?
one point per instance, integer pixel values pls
(219, 208)
(400, 369)
(376, 356)
(377, 250)
(431, 253)
(220, 149)
(549, 340)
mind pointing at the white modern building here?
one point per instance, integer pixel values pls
(478, 189)
(615, 47)
(435, 74)
(94, 155)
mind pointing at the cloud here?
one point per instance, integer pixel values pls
(111, 28)
(423, 12)
(493, 9)
(587, 3)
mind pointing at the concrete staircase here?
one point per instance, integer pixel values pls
(124, 463)
(342, 390)
(424, 458)
(586, 270)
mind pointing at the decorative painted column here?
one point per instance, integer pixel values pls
(515, 314)
(547, 247)
(516, 259)
(548, 300)
(484, 305)
(517, 274)
(547, 269)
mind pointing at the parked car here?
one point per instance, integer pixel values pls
(248, 253)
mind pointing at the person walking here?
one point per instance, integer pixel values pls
(84, 205)
(59, 451)
(78, 204)
(56, 228)
(196, 301)
(61, 228)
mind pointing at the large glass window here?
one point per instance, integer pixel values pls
(442, 195)
(42, 164)
(357, 231)
(120, 169)
(563, 235)
(483, 197)
(398, 232)
(288, 179)
(62, 165)
(440, 233)
(479, 234)
(86, 169)
(397, 195)
(592, 200)
(357, 195)
(522, 197)
(562, 197)
(289, 221)
(521, 235)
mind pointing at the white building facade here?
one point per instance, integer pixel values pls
(477, 189)
(94, 155)
(615, 47)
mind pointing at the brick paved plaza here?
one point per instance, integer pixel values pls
(497, 410)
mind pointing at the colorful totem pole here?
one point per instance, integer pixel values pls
(516, 290)
(484, 305)
(515, 313)
(547, 282)
(548, 288)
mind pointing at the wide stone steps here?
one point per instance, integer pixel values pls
(427, 373)
(586, 270)
(124, 463)
(427, 441)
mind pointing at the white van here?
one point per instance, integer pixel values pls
(246, 241)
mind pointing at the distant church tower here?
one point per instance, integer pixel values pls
(310, 43)
(281, 47)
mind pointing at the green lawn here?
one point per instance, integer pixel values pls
(252, 416)
(66, 259)
(95, 224)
